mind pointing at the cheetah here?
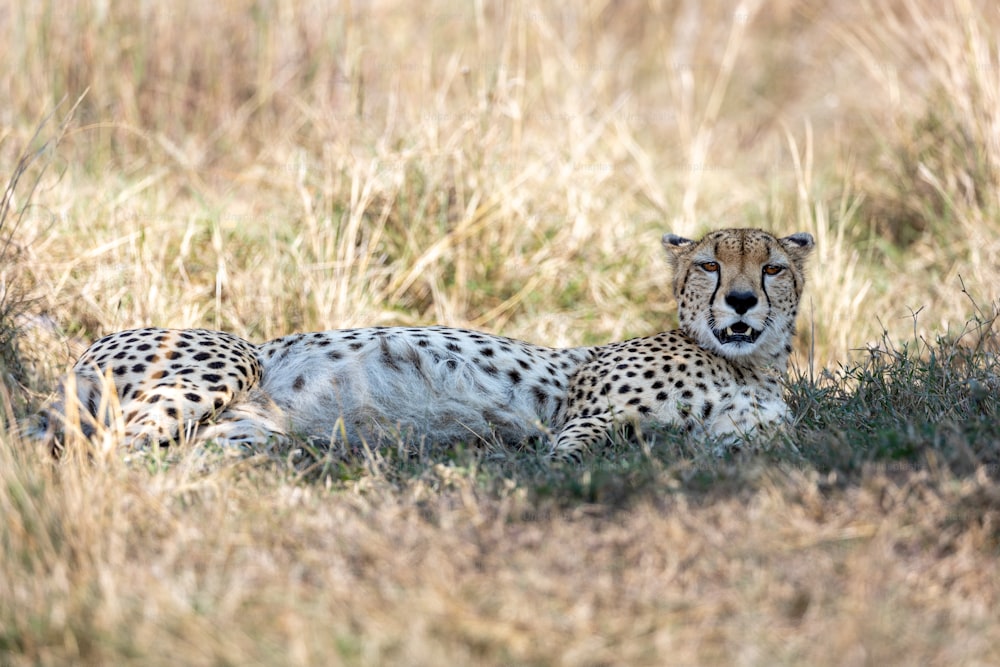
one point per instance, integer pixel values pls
(371, 385)
(168, 385)
(718, 375)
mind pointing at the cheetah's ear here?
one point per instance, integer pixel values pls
(676, 245)
(798, 245)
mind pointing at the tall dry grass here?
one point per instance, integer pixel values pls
(268, 167)
(508, 167)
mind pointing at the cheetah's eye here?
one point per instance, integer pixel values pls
(710, 267)
(773, 269)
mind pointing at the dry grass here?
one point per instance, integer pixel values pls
(243, 565)
(273, 167)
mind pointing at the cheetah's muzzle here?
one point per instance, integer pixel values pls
(738, 332)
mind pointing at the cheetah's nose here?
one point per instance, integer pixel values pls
(741, 302)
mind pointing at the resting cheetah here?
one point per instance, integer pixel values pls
(737, 292)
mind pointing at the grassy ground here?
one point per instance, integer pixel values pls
(276, 167)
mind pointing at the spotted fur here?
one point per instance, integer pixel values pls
(430, 384)
(718, 375)
(166, 385)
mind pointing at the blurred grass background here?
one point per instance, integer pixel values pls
(267, 167)
(271, 167)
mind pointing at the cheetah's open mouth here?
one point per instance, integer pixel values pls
(739, 332)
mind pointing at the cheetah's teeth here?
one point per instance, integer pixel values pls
(740, 332)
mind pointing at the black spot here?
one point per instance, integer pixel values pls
(211, 377)
(171, 412)
(624, 389)
(334, 355)
(487, 352)
(356, 346)
(299, 383)
(661, 396)
(648, 374)
(216, 365)
(172, 354)
(202, 356)
(193, 397)
(540, 395)
(138, 368)
(514, 376)
(121, 370)
(388, 359)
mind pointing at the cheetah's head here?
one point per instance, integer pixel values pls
(738, 291)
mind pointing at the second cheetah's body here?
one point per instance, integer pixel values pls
(737, 293)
